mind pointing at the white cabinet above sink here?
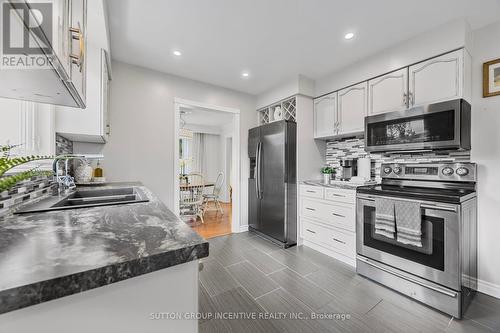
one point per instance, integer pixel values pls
(91, 124)
(51, 67)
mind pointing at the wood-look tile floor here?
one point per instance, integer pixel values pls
(216, 224)
(247, 275)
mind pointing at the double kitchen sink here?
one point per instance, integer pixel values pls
(87, 198)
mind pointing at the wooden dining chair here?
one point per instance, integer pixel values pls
(191, 196)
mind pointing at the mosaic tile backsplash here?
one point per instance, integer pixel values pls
(27, 191)
(63, 145)
(355, 148)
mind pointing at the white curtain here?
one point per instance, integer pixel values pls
(198, 152)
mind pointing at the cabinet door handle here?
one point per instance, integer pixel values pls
(311, 209)
(77, 34)
(335, 214)
(339, 241)
(405, 99)
(312, 232)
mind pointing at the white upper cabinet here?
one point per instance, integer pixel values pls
(52, 48)
(437, 79)
(91, 124)
(77, 28)
(388, 92)
(352, 108)
(29, 126)
(325, 116)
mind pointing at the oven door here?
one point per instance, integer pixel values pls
(438, 258)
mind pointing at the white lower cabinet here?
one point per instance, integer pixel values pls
(328, 221)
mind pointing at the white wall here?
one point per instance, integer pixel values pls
(486, 153)
(141, 145)
(450, 36)
(298, 85)
(215, 130)
(310, 153)
(226, 149)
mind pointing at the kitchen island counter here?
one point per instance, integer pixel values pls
(49, 255)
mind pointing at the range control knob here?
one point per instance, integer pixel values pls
(387, 170)
(462, 171)
(397, 170)
(447, 171)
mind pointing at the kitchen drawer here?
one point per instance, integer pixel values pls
(341, 195)
(311, 191)
(337, 215)
(338, 240)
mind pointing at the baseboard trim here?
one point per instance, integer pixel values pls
(486, 287)
(330, 253)
(243, 228)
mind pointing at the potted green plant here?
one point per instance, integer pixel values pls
(327, 172)
(7, 162)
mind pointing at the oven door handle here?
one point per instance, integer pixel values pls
(423, 206)
(425, 285)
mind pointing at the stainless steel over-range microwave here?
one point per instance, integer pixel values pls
(444, 125)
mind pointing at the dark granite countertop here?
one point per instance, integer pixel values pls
(44, 256)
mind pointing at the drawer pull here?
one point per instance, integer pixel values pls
(309, 191)
(339, 241)
(312, 232)
(311, 209)
(338, 215)
(338, 195)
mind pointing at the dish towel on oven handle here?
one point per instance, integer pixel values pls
(385, 221)
(408, 223)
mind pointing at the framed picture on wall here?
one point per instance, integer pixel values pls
(491, 78)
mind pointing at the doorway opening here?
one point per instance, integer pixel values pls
(207, 168)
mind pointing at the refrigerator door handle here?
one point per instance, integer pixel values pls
(257, 176)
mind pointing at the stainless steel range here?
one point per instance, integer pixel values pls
(437, 263)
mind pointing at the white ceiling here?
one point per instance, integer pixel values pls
(274, 40)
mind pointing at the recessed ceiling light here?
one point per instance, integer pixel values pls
(349, 35)
(177, 53)
(245, 74)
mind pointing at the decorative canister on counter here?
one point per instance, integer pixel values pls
(83, 174)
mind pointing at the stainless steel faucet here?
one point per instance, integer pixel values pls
(65, 182)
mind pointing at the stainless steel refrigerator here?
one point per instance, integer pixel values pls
(272, 186)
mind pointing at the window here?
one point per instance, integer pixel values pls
(185, 154)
